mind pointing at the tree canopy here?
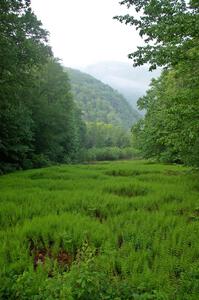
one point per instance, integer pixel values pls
(170, 28)
(23, 41)
(38, 118)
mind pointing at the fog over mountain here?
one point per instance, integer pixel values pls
(99, 102)
(131, 82)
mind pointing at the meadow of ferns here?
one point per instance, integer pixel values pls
(120, 230)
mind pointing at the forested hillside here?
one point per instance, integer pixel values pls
(99, 102)
(131, 82)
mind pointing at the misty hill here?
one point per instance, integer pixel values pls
(131, 82)
(99, 102)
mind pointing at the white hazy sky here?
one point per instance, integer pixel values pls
(82, 32)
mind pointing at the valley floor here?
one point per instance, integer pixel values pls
(112, 230)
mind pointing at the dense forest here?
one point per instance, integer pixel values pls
(39, 120)
(42, 121)
(99, 102)
(170, 130)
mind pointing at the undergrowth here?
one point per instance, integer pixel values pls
(124, 230)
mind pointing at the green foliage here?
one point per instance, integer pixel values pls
(169, 28)
(16, 135)
(22, 42)
(99, 102)
(106, 135)
(170, 128)
(108, 118)
(109, 153)
(22, 47)
(58, 127)
(122, 230)
(38, 118)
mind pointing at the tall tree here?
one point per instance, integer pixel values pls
(23, 46)
(23, 41)
(169, 28)
(57, 120)
(170, 128)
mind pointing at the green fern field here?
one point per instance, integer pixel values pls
(121, 230)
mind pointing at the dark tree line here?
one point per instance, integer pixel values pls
(39, 121)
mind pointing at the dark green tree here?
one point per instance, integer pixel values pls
(58, 126)
(23, 41)
(101, 135)
(23, 46)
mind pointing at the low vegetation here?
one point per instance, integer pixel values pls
(120, 230)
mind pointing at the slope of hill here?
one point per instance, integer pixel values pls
(99, 102)
(129, 81)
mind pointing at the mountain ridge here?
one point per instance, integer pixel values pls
(99, 102)
(129, 81)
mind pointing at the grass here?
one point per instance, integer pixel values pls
(119, 230)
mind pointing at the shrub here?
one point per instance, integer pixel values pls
(110, 153)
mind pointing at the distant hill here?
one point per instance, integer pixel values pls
(99, 102)
(131, 82)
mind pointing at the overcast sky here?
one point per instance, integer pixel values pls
(82, 32)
